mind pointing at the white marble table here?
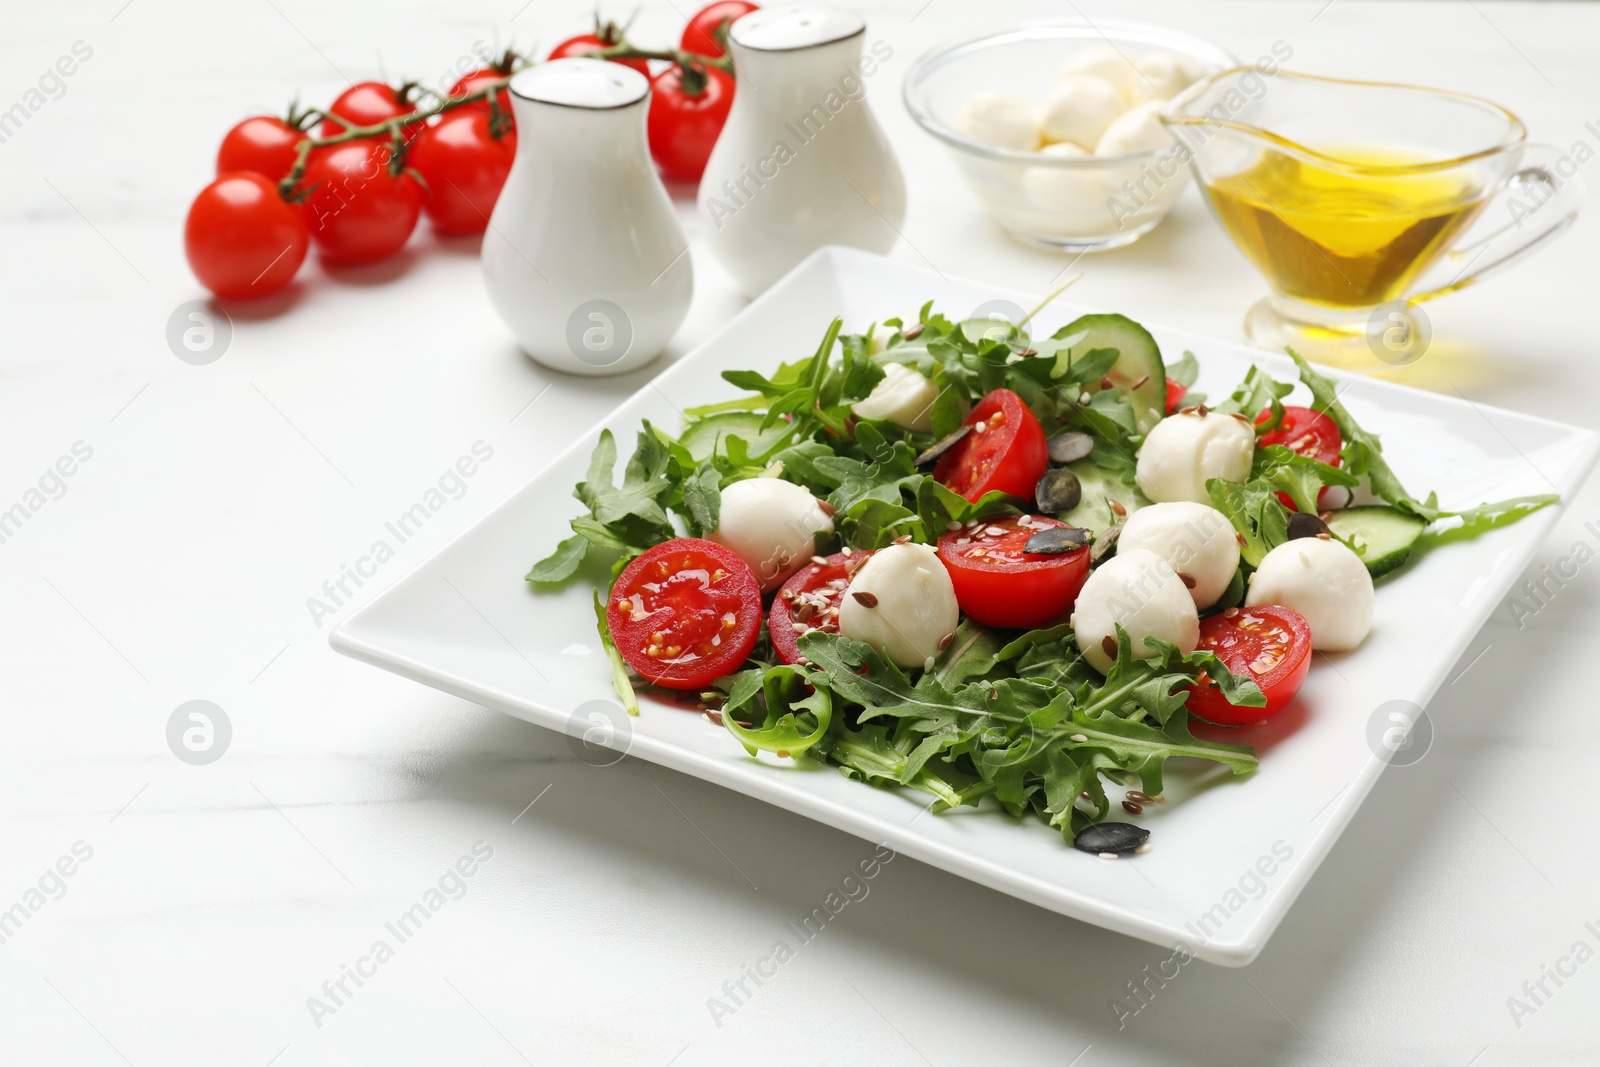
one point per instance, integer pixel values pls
(207, 904)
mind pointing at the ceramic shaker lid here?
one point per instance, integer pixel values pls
(590, 83)
(789, 27)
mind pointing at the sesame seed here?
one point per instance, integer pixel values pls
(846, 551)
(1078, 739)
(799, 627)
(980, 427)
(819, 561)
(1108, 855)
(952, 526)
(927, 664)
(1143, 847)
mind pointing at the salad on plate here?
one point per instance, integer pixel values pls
(995, 568)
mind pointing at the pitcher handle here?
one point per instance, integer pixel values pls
(1541, 202)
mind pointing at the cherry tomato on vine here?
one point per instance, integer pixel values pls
(482, 79)
(1005, 450)
(1307, 433)
(684, 126)
(366, 104)
(243, 239)
(699, 36)
(685, 613)
(1270, 645)
(810, 599)
(582, 46)
(262, 144)
(357, 211)
(463, 169)
(1000, 584)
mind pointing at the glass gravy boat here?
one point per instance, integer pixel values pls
(1359, 200)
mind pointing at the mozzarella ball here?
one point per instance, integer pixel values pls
(1062, 188)
(1105, 62)
(1138, 590)
(1001, 120)
(912, 604)
(1162, 76)
(1182, 451)
(1136, 130)
(1325, 582)
(1196, 540)
(904, 397)
(771, 523)
(1080, 108)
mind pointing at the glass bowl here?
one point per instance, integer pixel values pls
(1075, 204)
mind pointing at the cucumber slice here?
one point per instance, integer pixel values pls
(1099, 485)
(1139, 361)
(703, 435)
(1381, 536)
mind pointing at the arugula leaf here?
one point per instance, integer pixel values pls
(1256, 513)
(777, 702)
(562, 563)
(1363, 455)
(619, 670)
(1258, 392)
(1302, 477)
(1185, 370)
(702, 496)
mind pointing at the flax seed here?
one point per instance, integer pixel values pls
(1108, 645)
(945, 641)
(865, 599)
(1131, 808)
(1187, 580)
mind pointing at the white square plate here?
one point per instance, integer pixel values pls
(1229, 856)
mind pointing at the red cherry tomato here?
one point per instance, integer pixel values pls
(366, 104)
(1269, 644)
(1005, 450)
(582, 46)
(685, 613)
(263, 144)
(683, 127)
(999, 584)
(482, 79)
(1307, 433)
(242, 239)
(357, 211)
(1176, 391)
(700, 37)
(810, 599)
(464, 169)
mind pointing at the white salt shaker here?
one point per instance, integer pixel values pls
(584, 258)
(801, 163)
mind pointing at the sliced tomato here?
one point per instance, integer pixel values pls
(1269, 644)
(685, 613)
(1005, 450)
(1176, 391)
(1307, 433)
(810, 601)
(1000, 584)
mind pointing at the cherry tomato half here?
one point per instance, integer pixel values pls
(1176, 391)
(684, 127)
(999, 584)
(700, 36)
(1005, 450)
(582, 46)
(685, 613)
(262, 144)
(242, 238)
(482, 79)
(1306, 433)
(357, 211)
(464, 168)
(1269, 644)
(367, 104)
(810, 601)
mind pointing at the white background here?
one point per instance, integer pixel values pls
(178, 564)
